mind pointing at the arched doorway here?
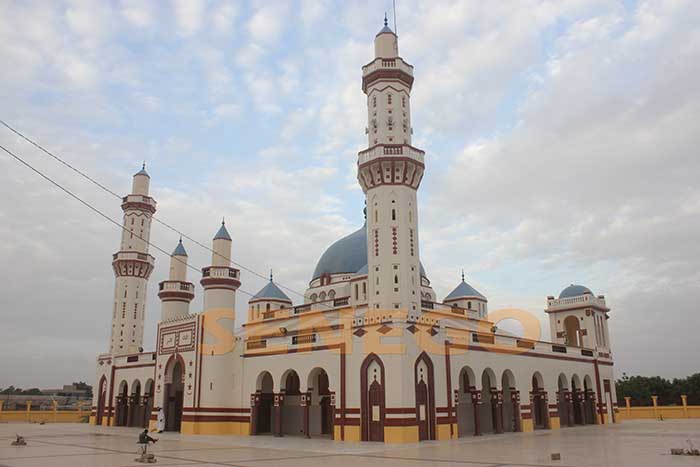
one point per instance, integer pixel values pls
(467, 411)
(174, 393)
(564, 401)
(291, 410)
(538, 397)
(102, 396)
(511, 404)
(424, 386)
(147, 402)
(121, 413)
(319, 402)
(262, 409)
(372, 402)
(489, 411)
(573, 331)
(134, 417)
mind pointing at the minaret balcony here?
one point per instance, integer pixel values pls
(132, 263)
(139, 202)
(387, 64)
(582, 301)
(176, 290)
(221, 276)
(387, 69)
(390, 150)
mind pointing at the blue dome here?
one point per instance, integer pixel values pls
(347, 256)
(222, 233)
(574, 291)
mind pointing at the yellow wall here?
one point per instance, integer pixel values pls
(47, 416)
(443, 432)
(215, 428)
(554, 423)
(527, 425)
(352, 433)
(653, 413)
(400, 434)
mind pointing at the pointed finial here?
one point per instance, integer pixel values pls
(386, 20)
(223, 221)
(462, 275)
(270, 274)
(143, 167)
(180, 238)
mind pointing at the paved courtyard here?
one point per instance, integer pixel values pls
(633, 443)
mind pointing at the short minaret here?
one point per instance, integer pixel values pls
(176, 293)
(132, 267)
(466, 296)
(390, 171)
(267, 302)
(220, 280)
(579, 318)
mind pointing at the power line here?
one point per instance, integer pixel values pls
(100, 213)
(163, 223)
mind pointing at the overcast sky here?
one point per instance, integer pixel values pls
(561, 143)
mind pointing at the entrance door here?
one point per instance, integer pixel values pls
(376, 427)
(422, 410)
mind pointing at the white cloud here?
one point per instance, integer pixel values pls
(188, 15)
(267, 23)
(137, 13)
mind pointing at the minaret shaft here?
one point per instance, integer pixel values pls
(390, 171)
(132, 267)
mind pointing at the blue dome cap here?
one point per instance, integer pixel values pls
(179, 250)
(271, 291)
(222, 233)
(574, 291)
(464, 290)
(142, 171)
(347, 256)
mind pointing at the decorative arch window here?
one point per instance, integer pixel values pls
(403, 101)
(393, 214)
(388, 98)
(331, 294)
(314, 297)
(469, 305)
(374, 101)
(322, 296)
(267, 307)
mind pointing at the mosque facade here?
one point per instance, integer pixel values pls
(371, 354)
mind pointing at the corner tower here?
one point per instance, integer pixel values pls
(390, 171)
(132, 267)
(176, 293)
(220, 280)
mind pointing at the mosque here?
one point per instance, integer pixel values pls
(371, 354)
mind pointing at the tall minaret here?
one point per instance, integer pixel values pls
(176, 293)
(220, 280)
(132, 266)
(390, 171)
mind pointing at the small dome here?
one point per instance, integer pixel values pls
(463, 290)
(347, 256)
(271, 292)
(574, 291)
(222, 233)
(179, 250)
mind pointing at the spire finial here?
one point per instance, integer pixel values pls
(462, 275)
(386, 20)
(223, 221)
(270, 274)
(143, 167)
(180, 238)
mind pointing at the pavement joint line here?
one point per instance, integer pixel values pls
(427, 459)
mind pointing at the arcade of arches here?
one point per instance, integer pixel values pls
(484, 403)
